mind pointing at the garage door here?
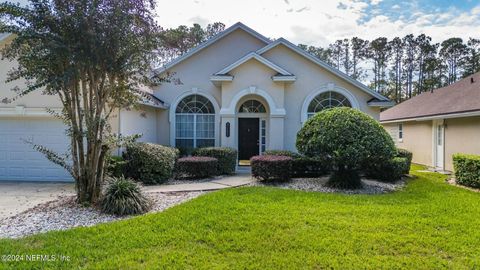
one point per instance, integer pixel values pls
(19, 161)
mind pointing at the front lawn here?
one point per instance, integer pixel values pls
(428, 225)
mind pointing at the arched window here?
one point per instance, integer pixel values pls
(194, 123)
(252, 106)
(326, 100)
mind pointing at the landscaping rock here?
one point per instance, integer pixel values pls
(64, 214)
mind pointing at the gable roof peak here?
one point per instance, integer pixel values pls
(256, 56)
(211, 41)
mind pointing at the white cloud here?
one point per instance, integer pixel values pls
(321, 22)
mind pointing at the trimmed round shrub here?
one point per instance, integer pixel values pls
(226, 156)
(408, 155)
(196, 167)
(269, 167)
(150, 163)
(124, 197)
(115, 166)
(347, 138)
(467, 170)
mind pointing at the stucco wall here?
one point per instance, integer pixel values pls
(417, 138)
(33, 100)
(141, 121)
(462, 135)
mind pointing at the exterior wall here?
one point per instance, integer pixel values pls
(462, 135)
(32, 101)
(417, 138)
(142, 121)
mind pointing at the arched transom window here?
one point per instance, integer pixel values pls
(327, 100)
(252, 106)
(194, 122)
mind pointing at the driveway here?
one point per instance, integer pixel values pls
(16, 197)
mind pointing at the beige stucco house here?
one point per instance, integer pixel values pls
(435, 125)
(238, 89)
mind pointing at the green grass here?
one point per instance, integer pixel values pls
(428, 225)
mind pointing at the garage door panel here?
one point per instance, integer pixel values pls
(19, 161)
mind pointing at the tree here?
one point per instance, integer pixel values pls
(396, 71)
(321, 53)
(336, 50)
(453, 53)
(177, 41)
(93, 55)
(359, 52)
(363, 141)
(379, 52)
(472, 61)
(426, 52)
(409, 64)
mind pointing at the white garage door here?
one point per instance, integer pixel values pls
(19, 161)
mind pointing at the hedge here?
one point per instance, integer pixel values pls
(467, 169)
(389, 171)
(115, 166)
(150, 163)
(196, 167)
(303, 166)
(226, 156)
(408, 155)
(270, 167)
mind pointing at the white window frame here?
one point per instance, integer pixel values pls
(195, 137)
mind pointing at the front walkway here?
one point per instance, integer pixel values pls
(240, 179)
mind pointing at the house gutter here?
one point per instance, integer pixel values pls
(434, 117)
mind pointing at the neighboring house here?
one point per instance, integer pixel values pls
(238, 89)
(435, 125)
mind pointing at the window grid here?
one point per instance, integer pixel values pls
(252, 106)
(400, 131)
(263, 135)
(194, 122)
(327, 100)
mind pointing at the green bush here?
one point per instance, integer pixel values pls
(226, 156)
(408, 155)
(302, 166)
(282, 153)
(269, 167)
(309, 167)
(467, 170)
(124, 197)
(196, 167)
(150, 163)
(115, 166)
(389, 171)
(347, 138)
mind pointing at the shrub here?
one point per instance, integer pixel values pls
(269, 167)
(282, 153)
(309, 167)
(302, 166)
(347, 138)
(389, 171)
(226, 158)
(150, 163)
(115, 166)
(124, 197)
(467, 169)
(196, 167)
(408, 155)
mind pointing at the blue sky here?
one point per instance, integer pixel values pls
(321, 22)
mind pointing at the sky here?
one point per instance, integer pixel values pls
(321, 22)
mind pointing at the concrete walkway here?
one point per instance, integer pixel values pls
(240, 179)
(16, 197)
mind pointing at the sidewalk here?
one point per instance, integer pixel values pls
(240, 179)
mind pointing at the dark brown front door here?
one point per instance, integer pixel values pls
(248, 132)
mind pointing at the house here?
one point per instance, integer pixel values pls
(437, 124)
(238, 89)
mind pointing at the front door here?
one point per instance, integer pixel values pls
(248, 138)
(439, 142)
